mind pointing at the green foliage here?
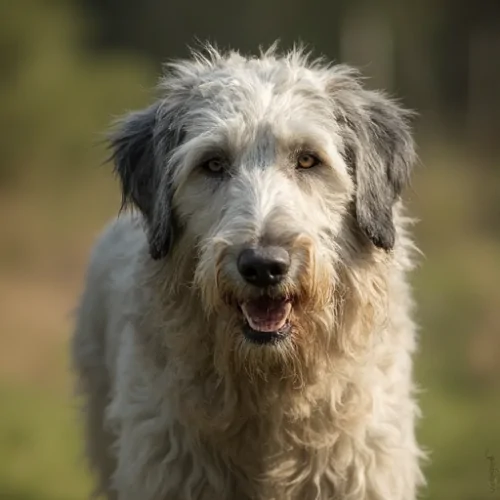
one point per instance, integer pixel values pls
(55, 97)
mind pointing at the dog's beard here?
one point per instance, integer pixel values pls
(293, 361)
(265, 334)
(282, 335)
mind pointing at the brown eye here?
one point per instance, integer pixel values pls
(307, 160)
(214, 166)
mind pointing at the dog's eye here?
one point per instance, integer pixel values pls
(307, 160)
(214, 166)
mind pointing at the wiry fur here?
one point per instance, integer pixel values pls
(179, 404)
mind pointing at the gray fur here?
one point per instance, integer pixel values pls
(142, 146)
(380, 151)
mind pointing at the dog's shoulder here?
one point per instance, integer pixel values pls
(118, 246)
(122, 234)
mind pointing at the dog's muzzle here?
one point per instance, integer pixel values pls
(266, 317)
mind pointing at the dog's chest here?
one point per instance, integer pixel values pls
(272, 464)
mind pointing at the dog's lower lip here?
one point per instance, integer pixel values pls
(262, 338)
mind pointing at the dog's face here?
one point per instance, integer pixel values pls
(271, 174)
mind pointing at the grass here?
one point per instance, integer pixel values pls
(459, 431)
(42, 264)
(40, 446)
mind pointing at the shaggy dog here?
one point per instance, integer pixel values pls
(247, 334)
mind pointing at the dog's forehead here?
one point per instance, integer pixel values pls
(259, 86)
(244, 96)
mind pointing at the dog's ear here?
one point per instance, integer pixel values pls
(134, 158)
(140, 147)
(379, 149)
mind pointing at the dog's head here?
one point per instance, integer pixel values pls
(272, 175)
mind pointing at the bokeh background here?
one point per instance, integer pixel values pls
(68, 67)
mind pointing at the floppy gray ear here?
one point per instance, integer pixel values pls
(380, 151)
(140, 150)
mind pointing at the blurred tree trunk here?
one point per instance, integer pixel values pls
(441, 55)
(483, 106)
(367, 42)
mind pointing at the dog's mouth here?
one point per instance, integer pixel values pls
(267, 319)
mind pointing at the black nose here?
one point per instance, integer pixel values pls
(264, 266)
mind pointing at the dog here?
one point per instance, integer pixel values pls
(246, 330)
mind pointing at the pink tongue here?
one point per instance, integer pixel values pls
(265, 314)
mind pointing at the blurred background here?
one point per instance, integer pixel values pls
(68, 67)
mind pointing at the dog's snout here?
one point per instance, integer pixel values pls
(264, 266)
